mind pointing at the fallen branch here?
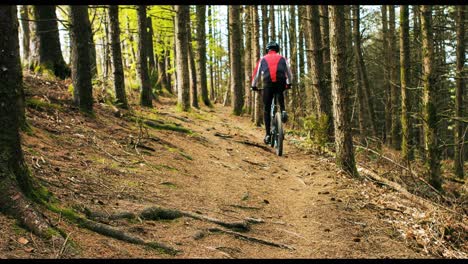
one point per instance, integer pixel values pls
(252, 239)
(407, 169)
(395, 186)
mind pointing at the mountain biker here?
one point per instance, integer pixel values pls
(276, 77)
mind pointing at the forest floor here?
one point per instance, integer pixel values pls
(210, 163)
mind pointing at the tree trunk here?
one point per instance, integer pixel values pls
(325, 34)
(119, 79)
(48, 54)
(265, 22)
(24, 13)
(343, 138)
(143, 76)
(16, 183)
(301, 63)
(151, 63)
(429, 105)
(293, 61)
(192, 70)
(81, 68)
(406, 150)
(248, 60)
(272, 23)
(394, 91)
(258, 113)
(323, 100)
(362, 83)
(386, 65)
(201, 53)
(181, 19)
(211, 55)
(459, 91)
(235, 52)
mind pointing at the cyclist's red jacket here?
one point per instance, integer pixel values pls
(274, 68)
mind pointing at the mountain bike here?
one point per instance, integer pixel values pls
(276, 127)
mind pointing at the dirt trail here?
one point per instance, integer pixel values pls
(302, 198)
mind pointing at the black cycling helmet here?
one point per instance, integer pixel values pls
(272, 46)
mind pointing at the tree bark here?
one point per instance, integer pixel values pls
(24, 13)
(343, 138)
(236, 64)
(258, 113)
(143, 76)
(16, 183)
(119, 79)
(459, 91)
(248, 60)
(387, 88)
(406, 150)
(201, 52)
(323, 100)
(48, 54)
(81, 67)
(394, 91)
(182, 70)
(429, 105)
(192, 70)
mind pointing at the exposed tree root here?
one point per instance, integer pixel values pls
(252, 239)
(249, 143)
(13, 202)
(158, 213)
(118, 234)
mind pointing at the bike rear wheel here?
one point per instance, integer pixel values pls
(279, 135)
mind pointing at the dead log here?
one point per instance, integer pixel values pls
(252, 239)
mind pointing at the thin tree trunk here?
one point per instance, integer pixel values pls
(247, 60)
(386, 65)
(394, 91)
(258, 113)
(459, 91)
(429, 105)
(81, 66)
(192, 70)
(142, 64)
(119, 79)
(343, 138)
(272, 23)
(404, 73)
(151, 62)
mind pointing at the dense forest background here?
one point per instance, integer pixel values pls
(370, 83)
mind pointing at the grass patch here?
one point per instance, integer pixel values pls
(41, 105)
(160, 125)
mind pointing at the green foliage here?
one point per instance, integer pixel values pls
(316, 129)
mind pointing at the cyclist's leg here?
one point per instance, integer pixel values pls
(280, 90)
(267, 98)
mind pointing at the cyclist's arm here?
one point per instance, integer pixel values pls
(256, 74)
